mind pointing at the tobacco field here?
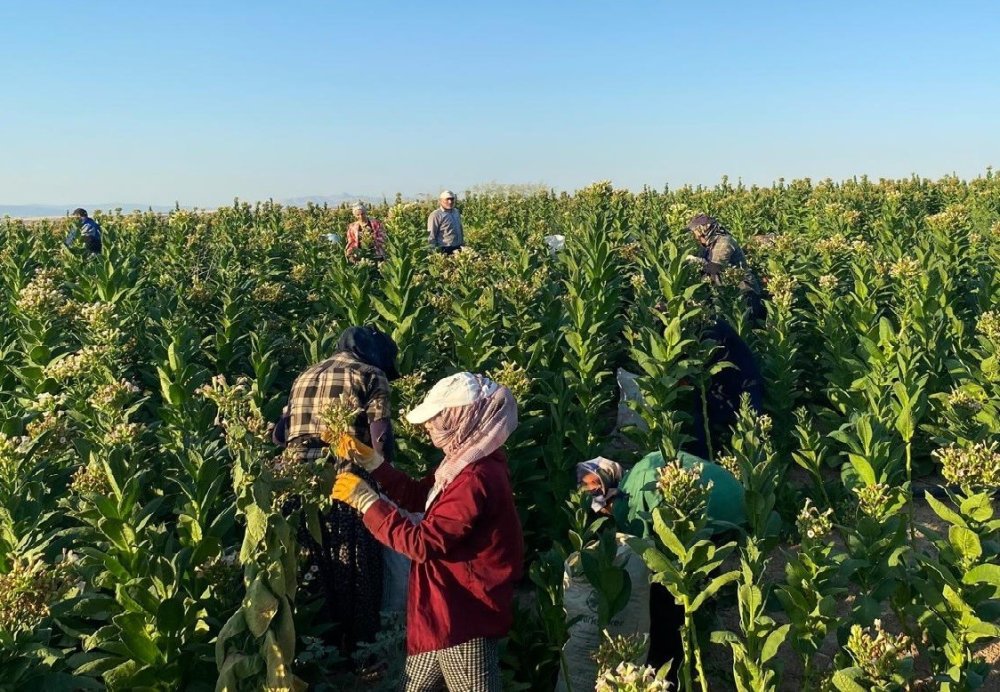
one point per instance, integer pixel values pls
(142, 543)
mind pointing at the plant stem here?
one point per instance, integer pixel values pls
(909, 481)
(689, 646)
(697, 658)
(704, 420)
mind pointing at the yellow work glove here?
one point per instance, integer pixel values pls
(350, 448)
(350, 489)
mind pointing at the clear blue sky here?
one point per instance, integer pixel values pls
(201, 102)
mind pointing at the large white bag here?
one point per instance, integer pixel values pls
(580, 598)
(628, 390)
(555, 243)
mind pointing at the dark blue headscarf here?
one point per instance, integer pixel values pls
(372, 347)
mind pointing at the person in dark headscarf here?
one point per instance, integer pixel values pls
(349, 560)
(719, 252)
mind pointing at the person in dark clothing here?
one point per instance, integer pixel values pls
(726, 387)
(88, 230)
(719, 252)
(349, 560)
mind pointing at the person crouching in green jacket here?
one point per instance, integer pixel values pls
(630, 498)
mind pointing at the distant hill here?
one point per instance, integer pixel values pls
(330, 200)
(34, 211)
(30, 211)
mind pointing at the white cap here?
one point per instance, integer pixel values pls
(459, 389)
(445, 194)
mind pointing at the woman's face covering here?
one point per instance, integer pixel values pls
(437, 437)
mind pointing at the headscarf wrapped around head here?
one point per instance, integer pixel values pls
(472, 431)
(610, 474)
(372, 347)
(707, 224)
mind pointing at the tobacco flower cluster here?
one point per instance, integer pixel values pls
(299, 475)
(629, 677)
(27, 591)
(682, 490)
(814, 525)
(730, 463)
(299, 273)
(268, 292)
(198, 291)
(966, 401)
(439, 301)
(10, 456)
(828, 282)
(782, 289)
(239, 415)
(113, 395)
(630, 252)
(988, 325)
(955, 217)
(409, 388)
(520, 292)
(338, 417)
(458, 265)
(733, 276)
(90, 479)
(619, 648)
(123, 435)
(877, 652)
(76, 365)
(513, 377)
(55, 423)
(98, 316)
(41, 298)
(875, 501)
(974, 467)
(834, 244)
(222, 572)
(905, 268)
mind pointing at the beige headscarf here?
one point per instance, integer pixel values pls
(469, 433)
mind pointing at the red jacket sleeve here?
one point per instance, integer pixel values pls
(408, 493)
(446, 525)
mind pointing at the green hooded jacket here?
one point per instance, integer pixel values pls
(633, 513)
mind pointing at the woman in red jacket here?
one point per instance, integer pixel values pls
(467, 551)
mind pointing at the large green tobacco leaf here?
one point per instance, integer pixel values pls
(965, 542)
(256, 520)
(134, 633)
(259, 607)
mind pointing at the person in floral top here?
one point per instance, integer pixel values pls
(365, 236)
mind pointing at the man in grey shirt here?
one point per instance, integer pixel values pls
(444, 226)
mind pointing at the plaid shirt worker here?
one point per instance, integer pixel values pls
(322, 384)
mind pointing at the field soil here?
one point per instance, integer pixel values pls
(719, 661)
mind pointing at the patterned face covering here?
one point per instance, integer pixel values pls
(608, 474)
(468, 433)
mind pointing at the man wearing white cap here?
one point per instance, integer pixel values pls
(444, 225)
(467, 551)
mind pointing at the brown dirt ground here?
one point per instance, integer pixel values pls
(718, 659)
